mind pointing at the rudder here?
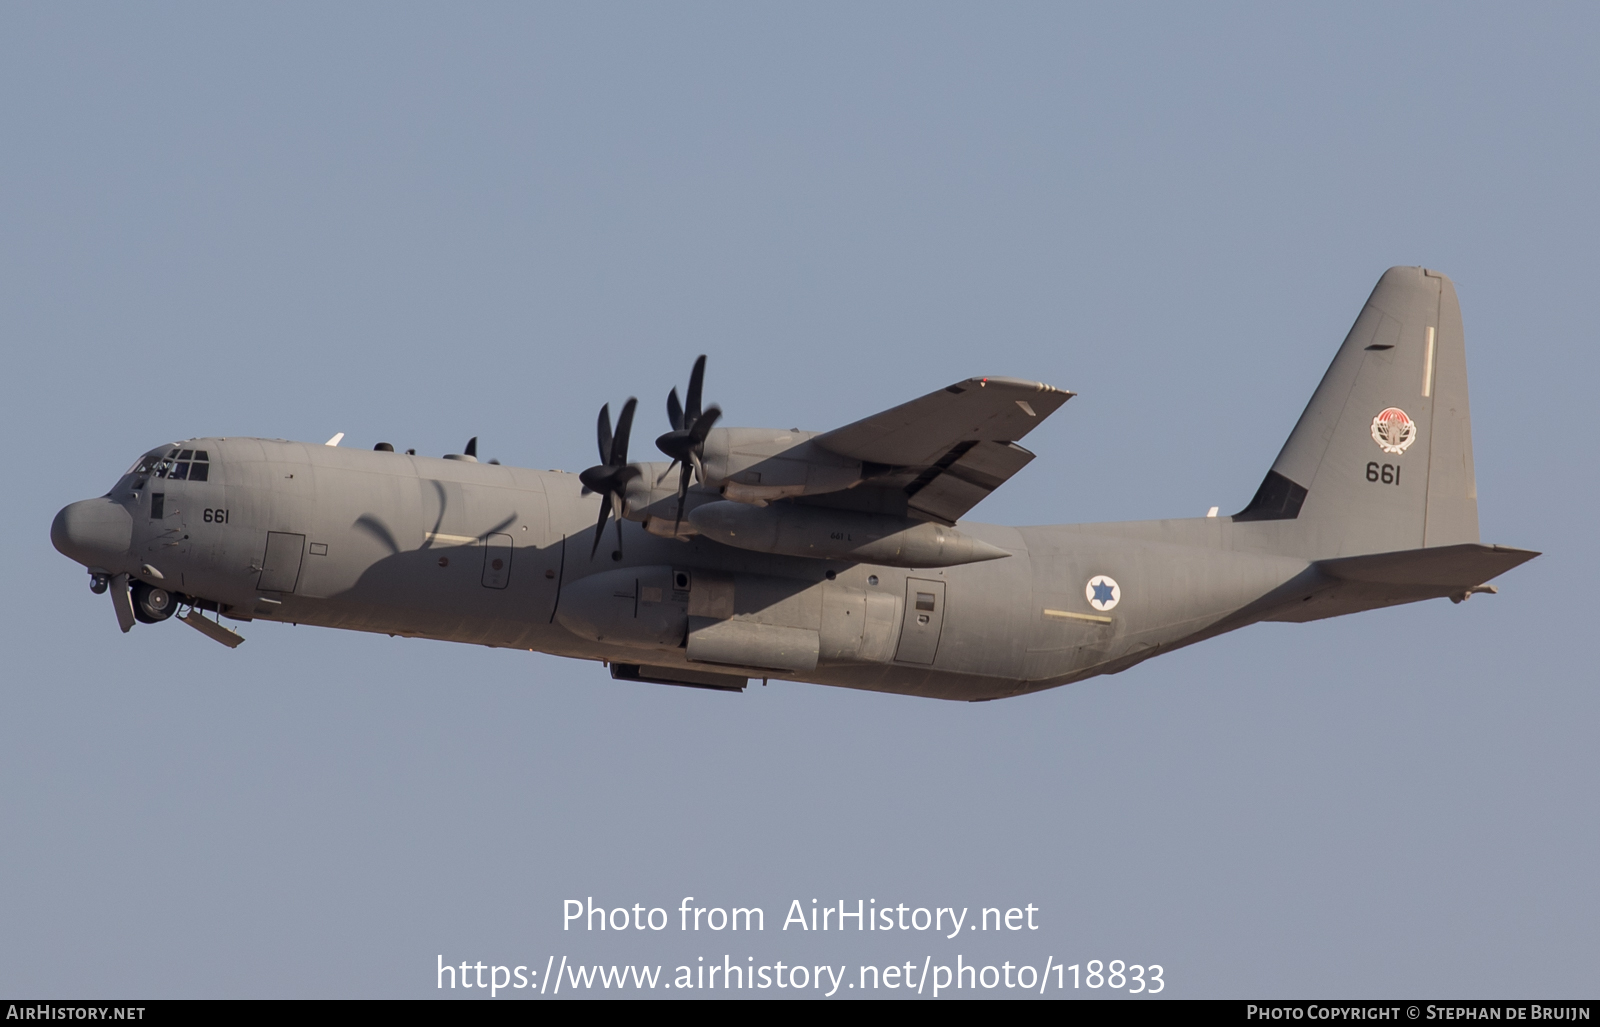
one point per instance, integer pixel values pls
(1381, 459)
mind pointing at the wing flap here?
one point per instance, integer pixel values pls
(950, 488)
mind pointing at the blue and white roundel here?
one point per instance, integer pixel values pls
(1102, 592)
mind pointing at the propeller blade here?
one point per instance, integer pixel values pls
(699, 468)
(674, 410)
(683, 491)
(703, 423)
(600, 527)
(472, 447)
(603, 430)
(668, 471)
(696, 379)
(594, 478)
(619, 446)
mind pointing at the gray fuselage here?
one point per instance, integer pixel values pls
(406, 545)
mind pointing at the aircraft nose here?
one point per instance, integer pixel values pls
(94, 532)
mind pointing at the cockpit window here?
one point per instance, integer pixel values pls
(176, 465)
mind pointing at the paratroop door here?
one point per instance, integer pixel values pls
(280, 567)
(919, 632)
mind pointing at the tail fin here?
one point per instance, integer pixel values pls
(1381, 460)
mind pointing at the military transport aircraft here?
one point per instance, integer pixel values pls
(840, 558)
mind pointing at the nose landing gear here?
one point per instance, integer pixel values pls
(151, 605)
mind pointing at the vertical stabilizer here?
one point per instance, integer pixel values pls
(1381, 459)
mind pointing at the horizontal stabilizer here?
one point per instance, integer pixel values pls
(1351, 584)
(1460, 566)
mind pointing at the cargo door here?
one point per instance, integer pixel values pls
(924, 618)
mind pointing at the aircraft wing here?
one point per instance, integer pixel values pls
(939, 456)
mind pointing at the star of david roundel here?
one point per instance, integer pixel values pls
(1102, 592)
(1394, 431)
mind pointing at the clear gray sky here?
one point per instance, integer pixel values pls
(419, 223)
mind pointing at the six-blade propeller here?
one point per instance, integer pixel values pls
(686, 442)
(611, 476)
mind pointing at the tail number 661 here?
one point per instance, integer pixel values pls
(1389, 474)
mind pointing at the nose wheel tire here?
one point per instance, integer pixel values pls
(151, 605)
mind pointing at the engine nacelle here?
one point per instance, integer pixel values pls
(759, 465)
(823, 534)
(653, 500)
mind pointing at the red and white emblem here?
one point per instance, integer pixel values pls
(1393, 431)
